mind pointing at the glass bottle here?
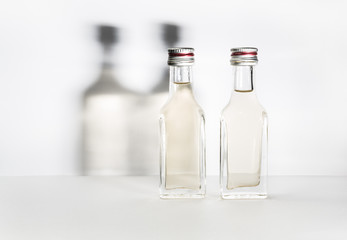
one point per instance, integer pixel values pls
(243, 134)
(182, 133)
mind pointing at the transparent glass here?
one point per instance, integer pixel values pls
(182, 140)
(243, 141)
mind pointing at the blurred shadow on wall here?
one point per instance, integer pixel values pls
(120, 126)
(105, 112)
(144, 131)
(170, 34)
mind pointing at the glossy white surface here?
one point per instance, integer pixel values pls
(101, 208)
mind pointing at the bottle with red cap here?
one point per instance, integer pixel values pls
(182, 133)
(243, 129)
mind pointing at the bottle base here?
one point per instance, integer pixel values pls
(181, 196)
(241, 196)
(182, 193)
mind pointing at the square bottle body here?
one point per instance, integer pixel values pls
(243, 148)
(182, 150)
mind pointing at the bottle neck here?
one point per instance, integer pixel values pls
(243, 78)
(107, 57)
(180, 75)
(107, 66)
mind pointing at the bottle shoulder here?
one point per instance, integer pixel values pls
(179, 105)
(244, 104)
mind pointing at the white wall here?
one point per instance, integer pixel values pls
(48, 56)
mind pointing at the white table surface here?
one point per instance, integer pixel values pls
(101, 208)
